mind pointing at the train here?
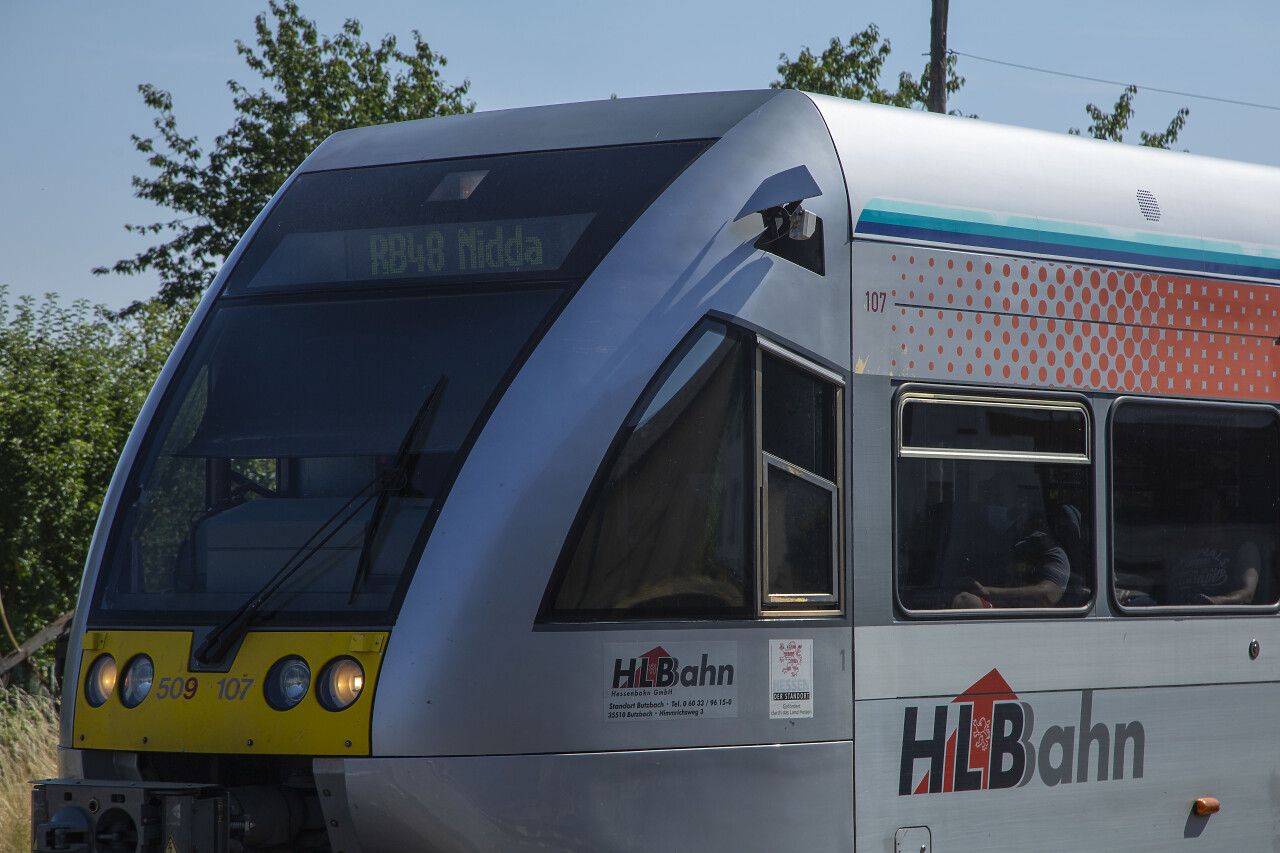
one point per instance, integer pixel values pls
(734, 471)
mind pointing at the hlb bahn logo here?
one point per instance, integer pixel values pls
(990, 742)
(672, 681)
(659, 668)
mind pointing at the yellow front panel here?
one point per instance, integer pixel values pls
(226, 712)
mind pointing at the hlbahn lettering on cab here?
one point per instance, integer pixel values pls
(658, 669)
(991, 745)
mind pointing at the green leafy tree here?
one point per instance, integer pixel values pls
(853, 71)
(1112, 125)
(72, 380)
(319, 85)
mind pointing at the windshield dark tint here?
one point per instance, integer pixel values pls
(322, 413)
(520, 217)
(300, 431)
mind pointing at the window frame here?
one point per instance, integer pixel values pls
(770, 604)
(1025, 399)
(761, 605)
(1198, 610)
(784, 601)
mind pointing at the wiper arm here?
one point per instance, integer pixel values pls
(229, 632)
(395, 477)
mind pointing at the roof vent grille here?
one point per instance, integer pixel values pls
(1149, 206)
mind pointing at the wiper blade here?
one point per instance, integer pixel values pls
(396, 477)
(229, 632)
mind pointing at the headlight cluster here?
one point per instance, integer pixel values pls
(139, 672)
(339, 686)
(288, 682)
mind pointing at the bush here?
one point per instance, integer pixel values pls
(71, 383)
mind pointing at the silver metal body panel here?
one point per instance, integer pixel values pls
(765, 798)
(335, 805)
(1190, 684)
(451, 681)
(455, 685)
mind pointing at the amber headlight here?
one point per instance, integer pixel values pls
(136, 684)
(340, 683)
(287, 683)
(101, 680)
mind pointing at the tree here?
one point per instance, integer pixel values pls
(72, 380)
(319, 85)
(1113, 125)
(853, 72)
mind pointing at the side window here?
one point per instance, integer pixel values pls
(994, 503)
(1196, 494)
(720, 497)
(799, 417)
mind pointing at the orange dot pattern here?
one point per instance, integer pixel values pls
(1066, 325)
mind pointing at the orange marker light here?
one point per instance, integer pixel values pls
(1207, 805)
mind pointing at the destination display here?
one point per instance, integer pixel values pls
(468, 248)
(495, 247)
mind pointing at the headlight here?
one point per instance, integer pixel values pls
(101, 680)
(340, 683)
(287, 683)
(138, 675)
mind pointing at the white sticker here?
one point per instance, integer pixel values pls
(670, 681)
(790, 679)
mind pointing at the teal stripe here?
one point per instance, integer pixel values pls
(1066, 234)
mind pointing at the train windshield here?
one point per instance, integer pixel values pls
(314, 428)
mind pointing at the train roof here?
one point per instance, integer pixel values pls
(900, 165)
(620, 121)
(985, 177)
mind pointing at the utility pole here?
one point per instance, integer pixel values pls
(938, 57)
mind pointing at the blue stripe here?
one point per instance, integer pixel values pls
(907, 221)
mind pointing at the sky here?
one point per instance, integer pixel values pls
(70, 71)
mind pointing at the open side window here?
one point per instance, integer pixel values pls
(720, 498)
(800, 494)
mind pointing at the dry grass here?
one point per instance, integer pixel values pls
(28, 750)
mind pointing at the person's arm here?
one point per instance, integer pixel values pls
(1053, 569)
(1045, 593)
(1247, 563)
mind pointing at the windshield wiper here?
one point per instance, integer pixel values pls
(229, 632)
(396, 477)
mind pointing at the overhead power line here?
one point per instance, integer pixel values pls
(1116, 82)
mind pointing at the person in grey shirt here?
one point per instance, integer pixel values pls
(1036, 575)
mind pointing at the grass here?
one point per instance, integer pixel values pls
(28, 750)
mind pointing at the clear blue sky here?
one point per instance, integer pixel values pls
(69, 73)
